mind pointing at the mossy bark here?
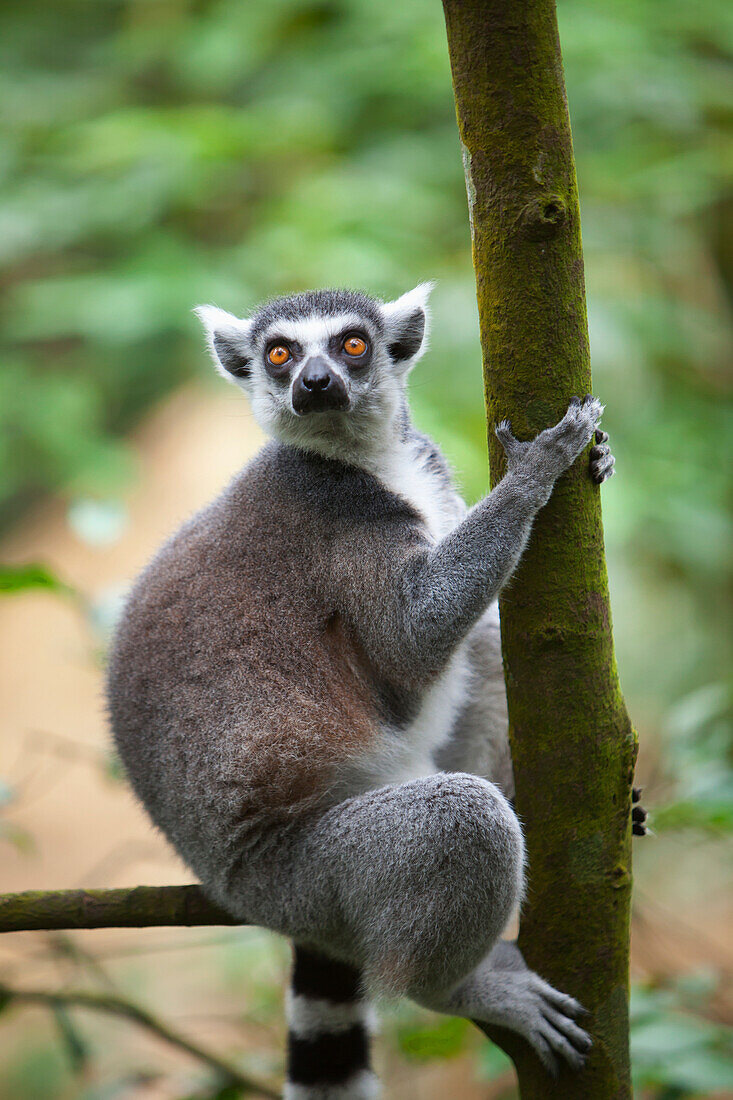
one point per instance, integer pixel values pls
(572, 743)
(127, 907)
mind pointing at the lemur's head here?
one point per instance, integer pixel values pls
(323, 369)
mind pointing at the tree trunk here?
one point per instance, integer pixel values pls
(572, 743)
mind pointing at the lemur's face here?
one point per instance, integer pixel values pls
(323, 368)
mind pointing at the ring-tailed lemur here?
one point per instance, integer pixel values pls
(306, 687)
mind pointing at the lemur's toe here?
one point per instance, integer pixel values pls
(558, 1029)
(546, 1055)
(601, 436)
(638, 814)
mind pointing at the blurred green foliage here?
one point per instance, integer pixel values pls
(160, 153)
(675, 1053)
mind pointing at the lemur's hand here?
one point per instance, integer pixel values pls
(601, 460)
(554, 450)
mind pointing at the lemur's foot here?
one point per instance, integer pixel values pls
(602, 461)
(638, 814)
(555, 449)
(544, 1016)
(506, 992)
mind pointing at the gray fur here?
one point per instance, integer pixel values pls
(300, 661)
(319, 303)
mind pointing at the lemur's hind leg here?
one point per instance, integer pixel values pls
(602, 461)
(413, 883)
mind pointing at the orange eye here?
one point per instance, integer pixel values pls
(354, 345)
(278, 355)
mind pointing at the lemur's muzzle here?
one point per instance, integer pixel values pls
(318, 388)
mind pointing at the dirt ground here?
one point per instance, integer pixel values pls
(77, 826)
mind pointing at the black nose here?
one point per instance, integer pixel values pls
(319, 388)
(316, 376)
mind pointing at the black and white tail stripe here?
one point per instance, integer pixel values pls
(328, 1036)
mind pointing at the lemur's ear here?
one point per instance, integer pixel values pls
(228, 340)
(406, 321)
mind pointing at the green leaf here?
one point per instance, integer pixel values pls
(21, 578)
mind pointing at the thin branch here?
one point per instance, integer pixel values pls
(119, 1006)
(131, 907)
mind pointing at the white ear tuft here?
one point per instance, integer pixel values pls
(417, 298)
(227, 337)
(407, 320)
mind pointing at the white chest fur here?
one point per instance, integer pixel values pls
(404, 754)
(407, 473)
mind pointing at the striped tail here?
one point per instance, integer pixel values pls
(328, 1036)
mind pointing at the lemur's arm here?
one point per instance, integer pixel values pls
(430, 598)
(452, 586)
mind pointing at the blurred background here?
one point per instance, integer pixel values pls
(160, 153)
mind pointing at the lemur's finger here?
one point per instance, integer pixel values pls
(601, 436)
(569, 422)
(513, 447)
(603, 468)
(503, 431)
(636, 793)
